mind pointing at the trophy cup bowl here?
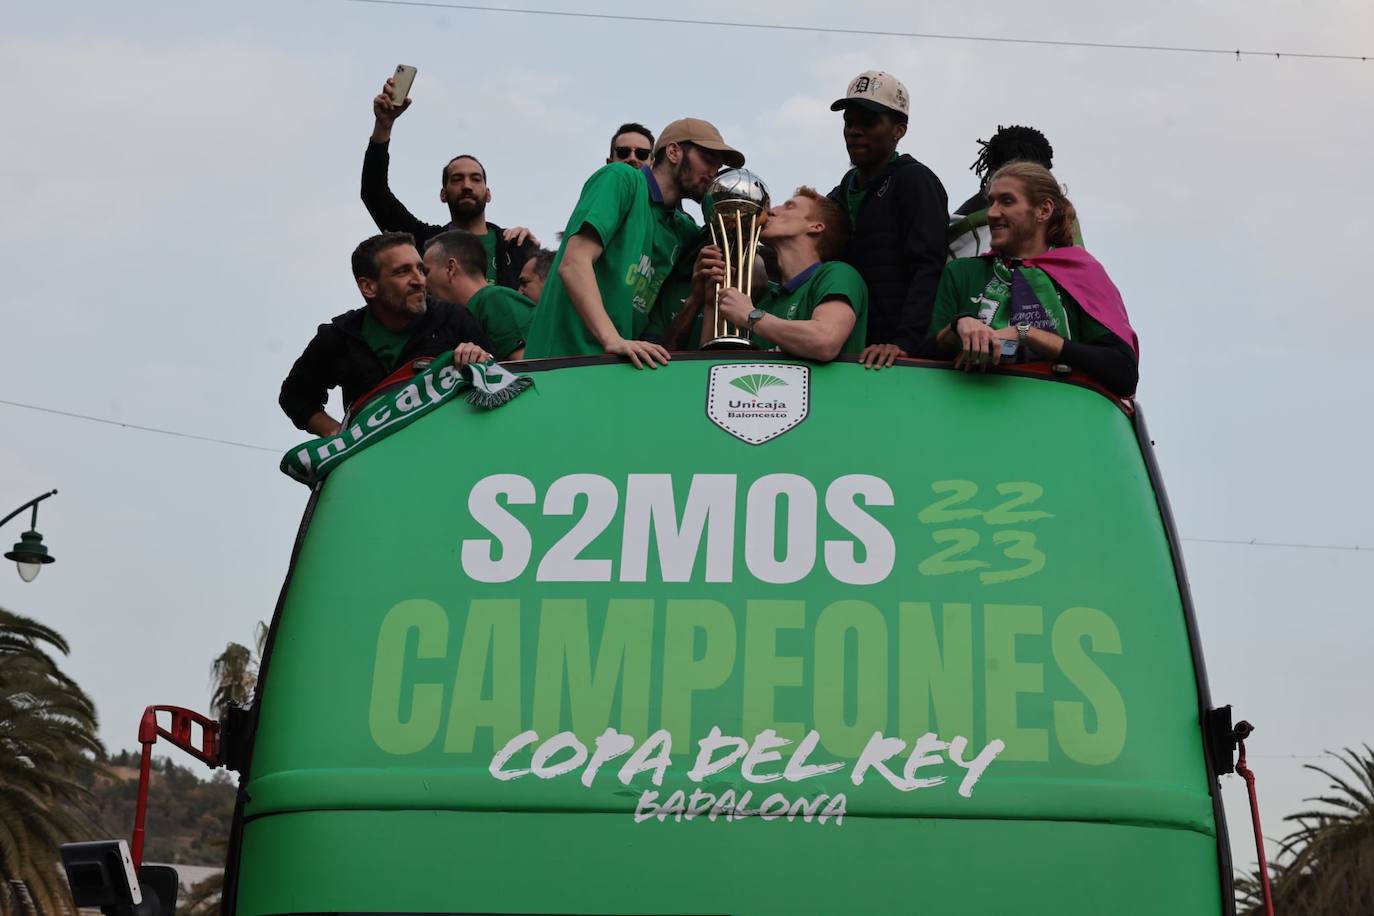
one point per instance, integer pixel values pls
(735, 208)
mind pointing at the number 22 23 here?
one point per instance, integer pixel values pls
(1016, 545)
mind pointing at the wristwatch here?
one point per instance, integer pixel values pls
(1022, 331)
(754, 316)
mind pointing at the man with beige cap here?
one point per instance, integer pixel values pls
(900, 213)
(623, 238)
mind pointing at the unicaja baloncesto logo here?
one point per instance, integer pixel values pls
(754, 385)
(757, 402)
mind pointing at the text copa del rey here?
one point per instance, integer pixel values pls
(757, 759)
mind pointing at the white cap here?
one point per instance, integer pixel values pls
(876, 91)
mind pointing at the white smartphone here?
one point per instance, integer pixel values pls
(404, 79)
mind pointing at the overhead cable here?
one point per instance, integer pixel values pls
(141, 428)
(1258, 543)
(1237, 53)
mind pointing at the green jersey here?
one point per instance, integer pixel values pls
(673, 295)
(506, 316)
(386, 343)
(489, 246)
(798, 298)
(982, 288)
(641, 237)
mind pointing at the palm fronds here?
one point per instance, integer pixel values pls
(1326, 865)
(49, 753)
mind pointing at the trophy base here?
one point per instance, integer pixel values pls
(729, 343)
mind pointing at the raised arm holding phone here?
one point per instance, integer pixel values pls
(463, 189)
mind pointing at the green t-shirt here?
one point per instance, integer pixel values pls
(489, 246)
(386, 343)
(505, 314)
(641, 239)
(961, 293)
(854, 193)
(798, 298)
(674, 292)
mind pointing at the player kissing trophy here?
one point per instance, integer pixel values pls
(735, 208)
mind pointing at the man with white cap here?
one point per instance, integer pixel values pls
(900, 214)
(625, 234)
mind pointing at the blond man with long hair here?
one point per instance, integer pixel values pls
(1036, 296)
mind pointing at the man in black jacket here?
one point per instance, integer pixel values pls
(358, 349)
(464, 189)
(900, 214)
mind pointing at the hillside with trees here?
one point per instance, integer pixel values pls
(189, 808)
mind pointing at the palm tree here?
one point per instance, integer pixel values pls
(49, 753)
(234, 673)
(233, 678)
(1326, 865)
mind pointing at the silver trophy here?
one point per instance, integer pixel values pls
(735, 207)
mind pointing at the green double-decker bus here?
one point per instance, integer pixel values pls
(744, 635)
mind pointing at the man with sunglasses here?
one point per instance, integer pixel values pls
(625, 234)
(900, 214)
(632, 144)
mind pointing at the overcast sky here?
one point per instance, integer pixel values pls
(180, 188)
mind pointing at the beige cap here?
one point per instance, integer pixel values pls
(703, 134)
(876, 91)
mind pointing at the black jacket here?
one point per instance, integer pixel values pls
(391, 215)
(339, 357)
(898, 246)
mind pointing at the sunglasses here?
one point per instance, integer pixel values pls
(624, 152)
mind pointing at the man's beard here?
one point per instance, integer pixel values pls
(402, 306)
(1017, 238)
(682, 176)
(466, 208)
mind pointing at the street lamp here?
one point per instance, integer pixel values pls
(30, 555)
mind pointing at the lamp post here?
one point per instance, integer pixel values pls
(30, 555)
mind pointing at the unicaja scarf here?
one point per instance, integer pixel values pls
(995, 302)
(485, 385)
(1083, 278)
